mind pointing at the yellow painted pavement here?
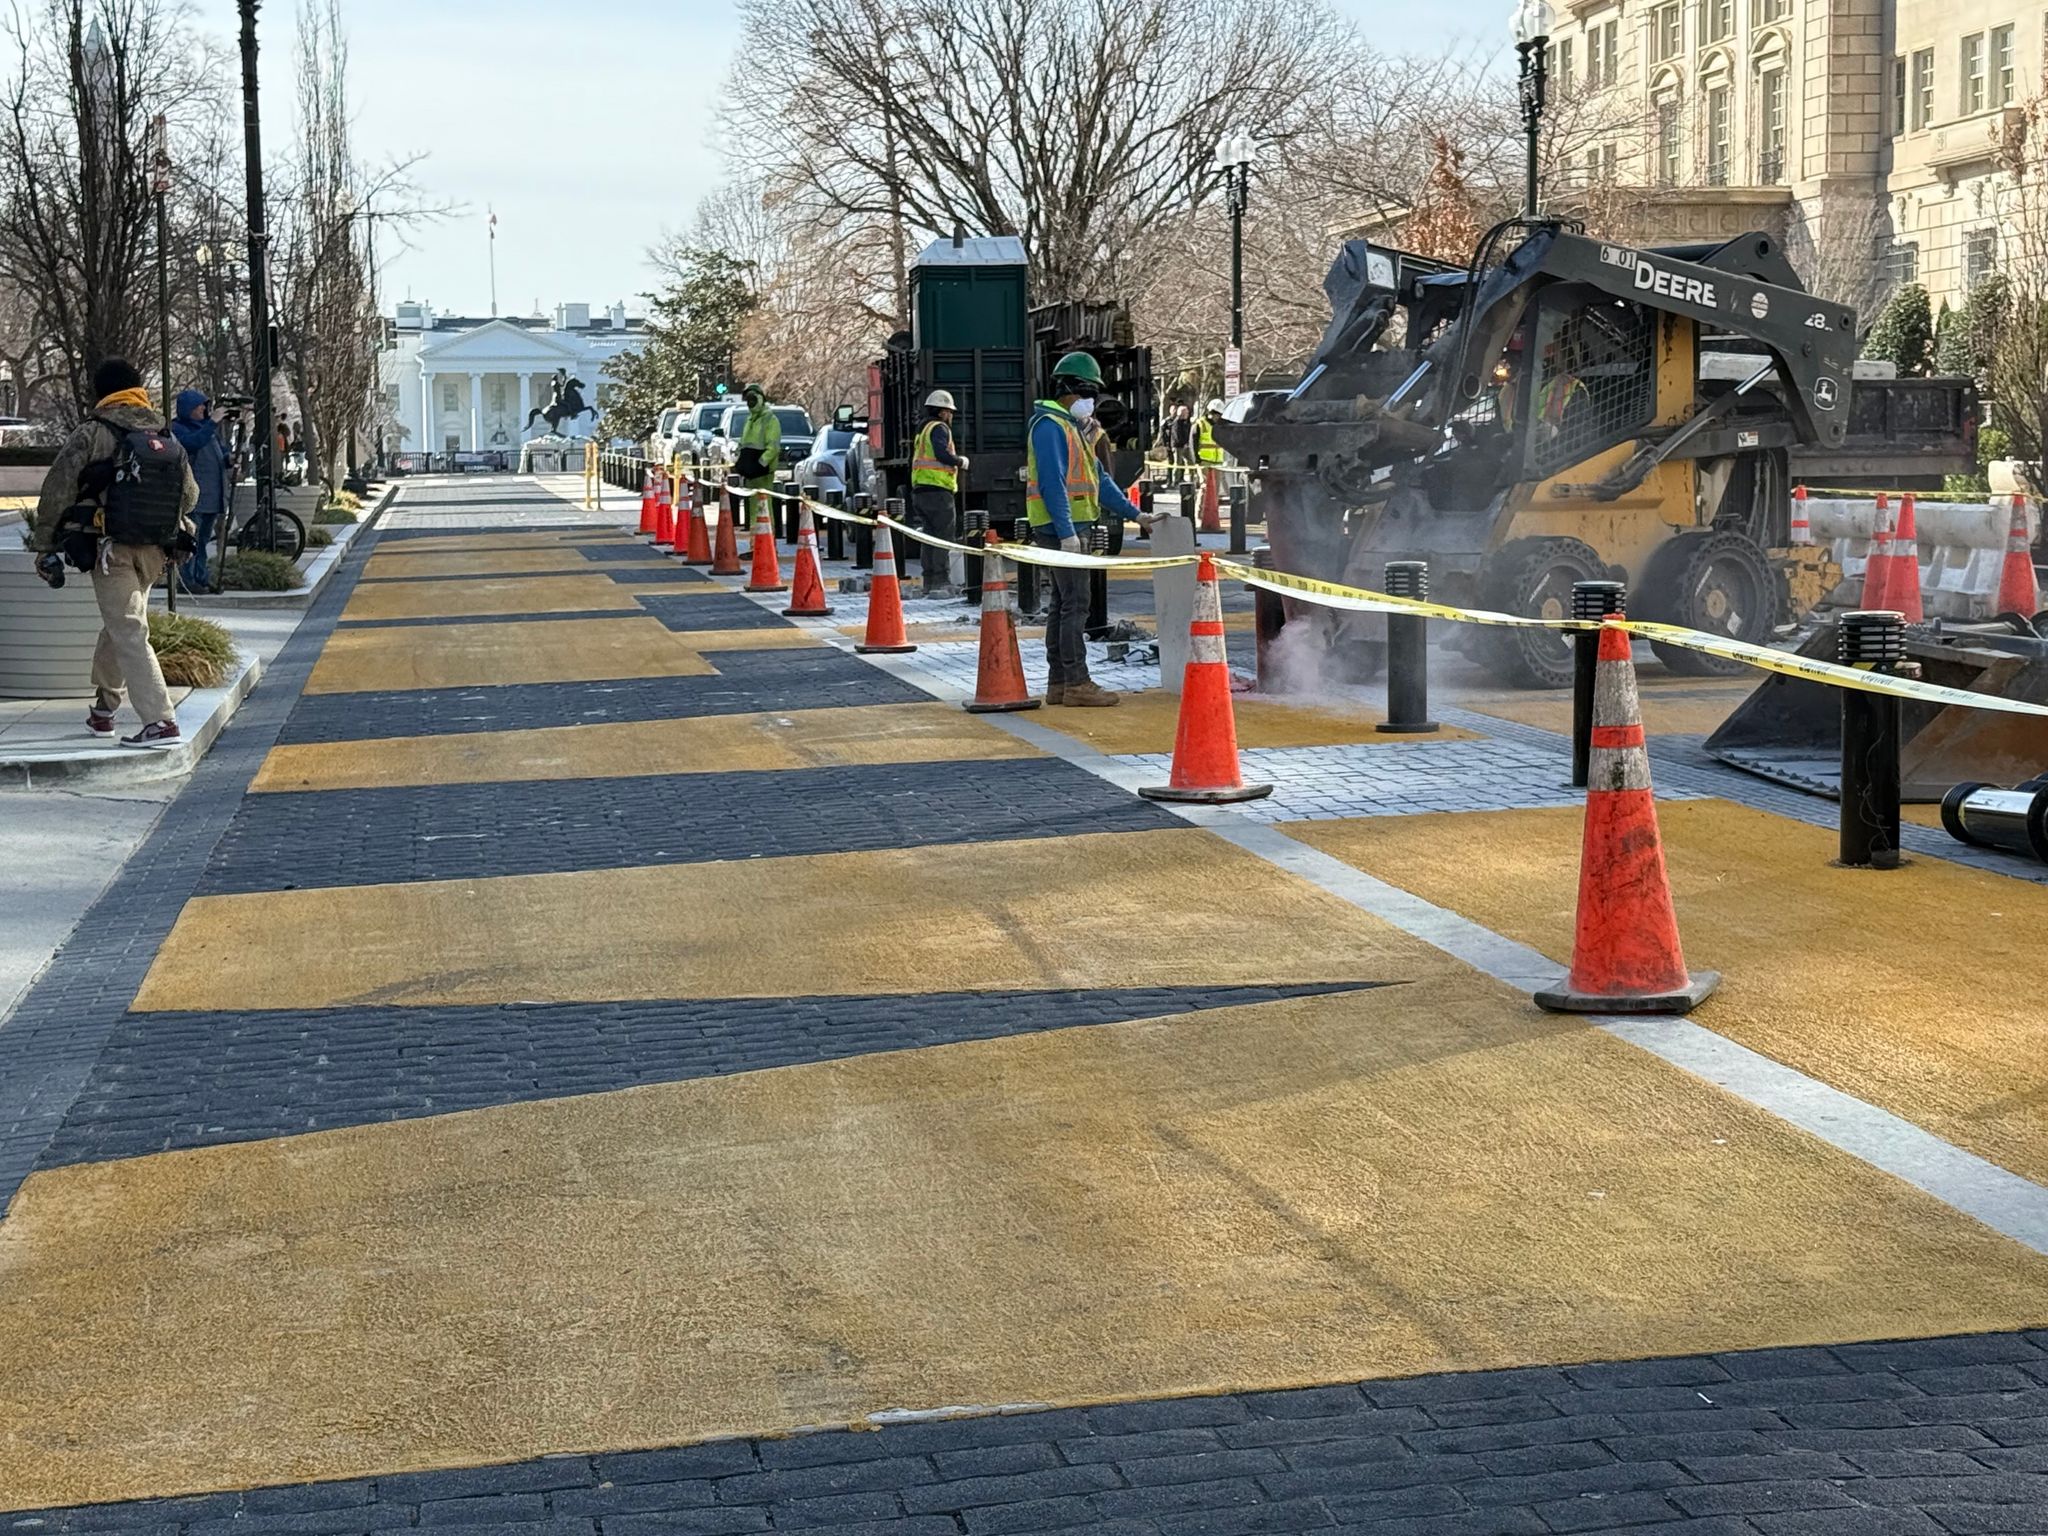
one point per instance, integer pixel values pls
(476, 597)
(494, 655)
(1915, 989)
(746, 743)
(399, 563)
(1145, 722)
(1290, 1193)
(1026, 913)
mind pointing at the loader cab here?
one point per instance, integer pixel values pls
(1587, 382)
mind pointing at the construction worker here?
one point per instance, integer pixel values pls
(1207, 452)
(935, 487)
(1066, 492)
(1177, 435)
(760, 442)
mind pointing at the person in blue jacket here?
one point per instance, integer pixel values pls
(194, 427)
(1066, 493)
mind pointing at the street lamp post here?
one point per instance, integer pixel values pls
(160, 186)
(1234, 157)
(1533, 20)
(259, 297)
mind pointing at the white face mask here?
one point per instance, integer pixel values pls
(1081, 409)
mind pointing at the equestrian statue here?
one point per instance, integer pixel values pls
(565, 404)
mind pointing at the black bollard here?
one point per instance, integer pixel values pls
(864, 536)
(1592, 601)
(835, 531)
(904, 546)
(973, 529)
(1269, 614)
(1027, 577)
(1875, 641)
(1098, 585)
(1239, 496)
(1407, 652)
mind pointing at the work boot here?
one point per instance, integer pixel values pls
(1055, 693)
(1088, 695)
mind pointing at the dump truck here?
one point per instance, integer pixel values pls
(973, 332)
(1559, 409)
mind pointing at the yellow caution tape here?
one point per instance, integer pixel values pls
(1332, 594)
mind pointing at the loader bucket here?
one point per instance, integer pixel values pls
(1790, 730)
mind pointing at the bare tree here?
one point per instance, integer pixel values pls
(76, 216)
(2018, 373)
(1080, 128)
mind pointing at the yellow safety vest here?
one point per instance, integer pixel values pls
(1084, 483)
(925, 468)
(1205, 443)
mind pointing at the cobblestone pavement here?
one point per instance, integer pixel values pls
(1300, 1223)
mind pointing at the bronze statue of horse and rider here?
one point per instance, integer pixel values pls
(565, 404)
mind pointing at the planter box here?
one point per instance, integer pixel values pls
(46, 637)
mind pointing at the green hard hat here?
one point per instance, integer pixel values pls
(1078, 365)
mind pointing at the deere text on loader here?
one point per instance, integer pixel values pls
(1562, 409)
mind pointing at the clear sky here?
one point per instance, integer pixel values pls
(509, 101)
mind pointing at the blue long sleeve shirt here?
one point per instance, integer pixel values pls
(1049, 447)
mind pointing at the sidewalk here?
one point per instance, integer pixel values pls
(585, 1053)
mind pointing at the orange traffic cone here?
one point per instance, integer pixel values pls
(999, 675)
(1212, 515)
(726, 562)
(1877, 569)
(2017, 590)
(1625, 957)
(1905, 582)
(1802, 530)
(647, 501)
(696, 545)
(885, 600)
(679, 528)
(664, 510)
(767, 576)
(807, 594)
(1205, 764)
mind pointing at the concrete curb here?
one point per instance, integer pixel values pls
(324, 566)
(113, 767)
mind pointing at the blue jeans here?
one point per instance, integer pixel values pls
(193, 571)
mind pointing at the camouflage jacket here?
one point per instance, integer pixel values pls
(92, 442)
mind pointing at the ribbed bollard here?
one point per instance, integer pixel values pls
(1875, 640)
(1592, 601)
(1240, 496)
(973, 530)
(864, 535)
(1269, 613)
(1407, 652)
(1098, 584)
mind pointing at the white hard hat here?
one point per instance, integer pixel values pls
(940, 400)
(1215, 406)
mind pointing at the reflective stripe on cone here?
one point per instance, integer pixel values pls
(1625, 953)
(1205, 766)
(726, 560)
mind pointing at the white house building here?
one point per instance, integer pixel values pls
(456, 383)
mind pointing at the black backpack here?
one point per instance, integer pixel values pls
(145, 485)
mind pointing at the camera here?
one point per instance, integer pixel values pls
(51, 568)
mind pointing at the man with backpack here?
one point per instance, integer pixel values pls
(115, 503)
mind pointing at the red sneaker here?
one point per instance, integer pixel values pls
(99, 722)
(160, 733)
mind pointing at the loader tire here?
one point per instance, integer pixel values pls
(1719, 582)
(1534, 577)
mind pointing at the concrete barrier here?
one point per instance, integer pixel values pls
(1962, 549)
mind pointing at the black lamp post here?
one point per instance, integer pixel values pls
(1533, 20)
(1234, 157)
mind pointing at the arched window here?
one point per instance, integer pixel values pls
(1771, 92)
(1717, 120)
(1667, 97)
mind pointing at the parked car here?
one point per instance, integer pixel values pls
(798, 434)
(702, 429)
(841, 458)
(671, 430)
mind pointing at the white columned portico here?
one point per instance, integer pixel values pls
(427, 443)
(476, 411)
(525, 403)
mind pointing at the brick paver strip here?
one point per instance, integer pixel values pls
(169, 1081)
(1722, 1445)
(747, 681)
(700, 611)
(294, 840)
(663, 573)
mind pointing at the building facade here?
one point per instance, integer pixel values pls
(460, 384)
(1867, 134)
